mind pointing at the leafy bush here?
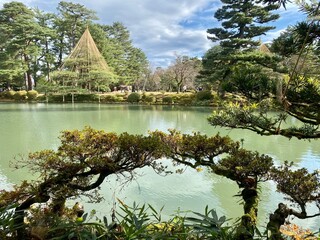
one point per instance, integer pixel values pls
(9, 94)
(33, 94)
(149, 99)
(104, 88)
(204, 96)
(186, 99)
(85, 97)
(133, 97)
(144, 222)
(20, 95)
(109, 98)
(58, 98)
(176, 97)
(167, 99)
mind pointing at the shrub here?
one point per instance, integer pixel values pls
(33, 94)
(204, 95)
(20, 95)
(149, 99)
(167, 99)
(9, 94)
(104, 88)
(186, 99)
(85, 97)
(58, 98)
(176, 97)
(109, 98)
(120, 99)
(133, 97)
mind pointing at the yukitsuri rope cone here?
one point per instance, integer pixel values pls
(85, 66)
(86, 55)
(263, 48)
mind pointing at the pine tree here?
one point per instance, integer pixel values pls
(242, 22)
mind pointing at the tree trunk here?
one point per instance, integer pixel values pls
(277, 219)
(29, 81)
(20, 213)
(249, 219)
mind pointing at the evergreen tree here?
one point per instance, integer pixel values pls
(298, 98)
(242, 22)
(128, 62)
(70, 24)
(46, 59)
(19, 35)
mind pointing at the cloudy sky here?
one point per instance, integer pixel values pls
(164, 28)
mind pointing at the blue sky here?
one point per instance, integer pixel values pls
(165, 28)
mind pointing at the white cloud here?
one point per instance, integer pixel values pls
(156, 26)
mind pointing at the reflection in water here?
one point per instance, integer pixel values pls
(30, 127)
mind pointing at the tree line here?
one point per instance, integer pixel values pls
(35, 43)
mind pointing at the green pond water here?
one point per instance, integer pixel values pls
(26, 128)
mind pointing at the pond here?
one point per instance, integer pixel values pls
(26, 128)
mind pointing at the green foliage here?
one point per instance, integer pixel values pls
(104, 88)
(251, 80)
(7, 216)
(133, 97)
(167, 100)
(209, 225)
(299, 185)
(69, 97)
(204, 95)
(59, 98)
(247, 17)
(127, 61)
(86, 228)
(32, 95)
(85, 97)
(20, 95)
(109, 98)
(9, 94)
(241, 23)
(34, 41)
(186, 99)
(148, 98)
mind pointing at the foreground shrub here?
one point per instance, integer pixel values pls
(33, 94)
(131, 222)
(133, 97)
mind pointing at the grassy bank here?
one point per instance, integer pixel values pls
(202, 98)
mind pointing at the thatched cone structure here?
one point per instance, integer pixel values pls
(263, 48)
(85, 66)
